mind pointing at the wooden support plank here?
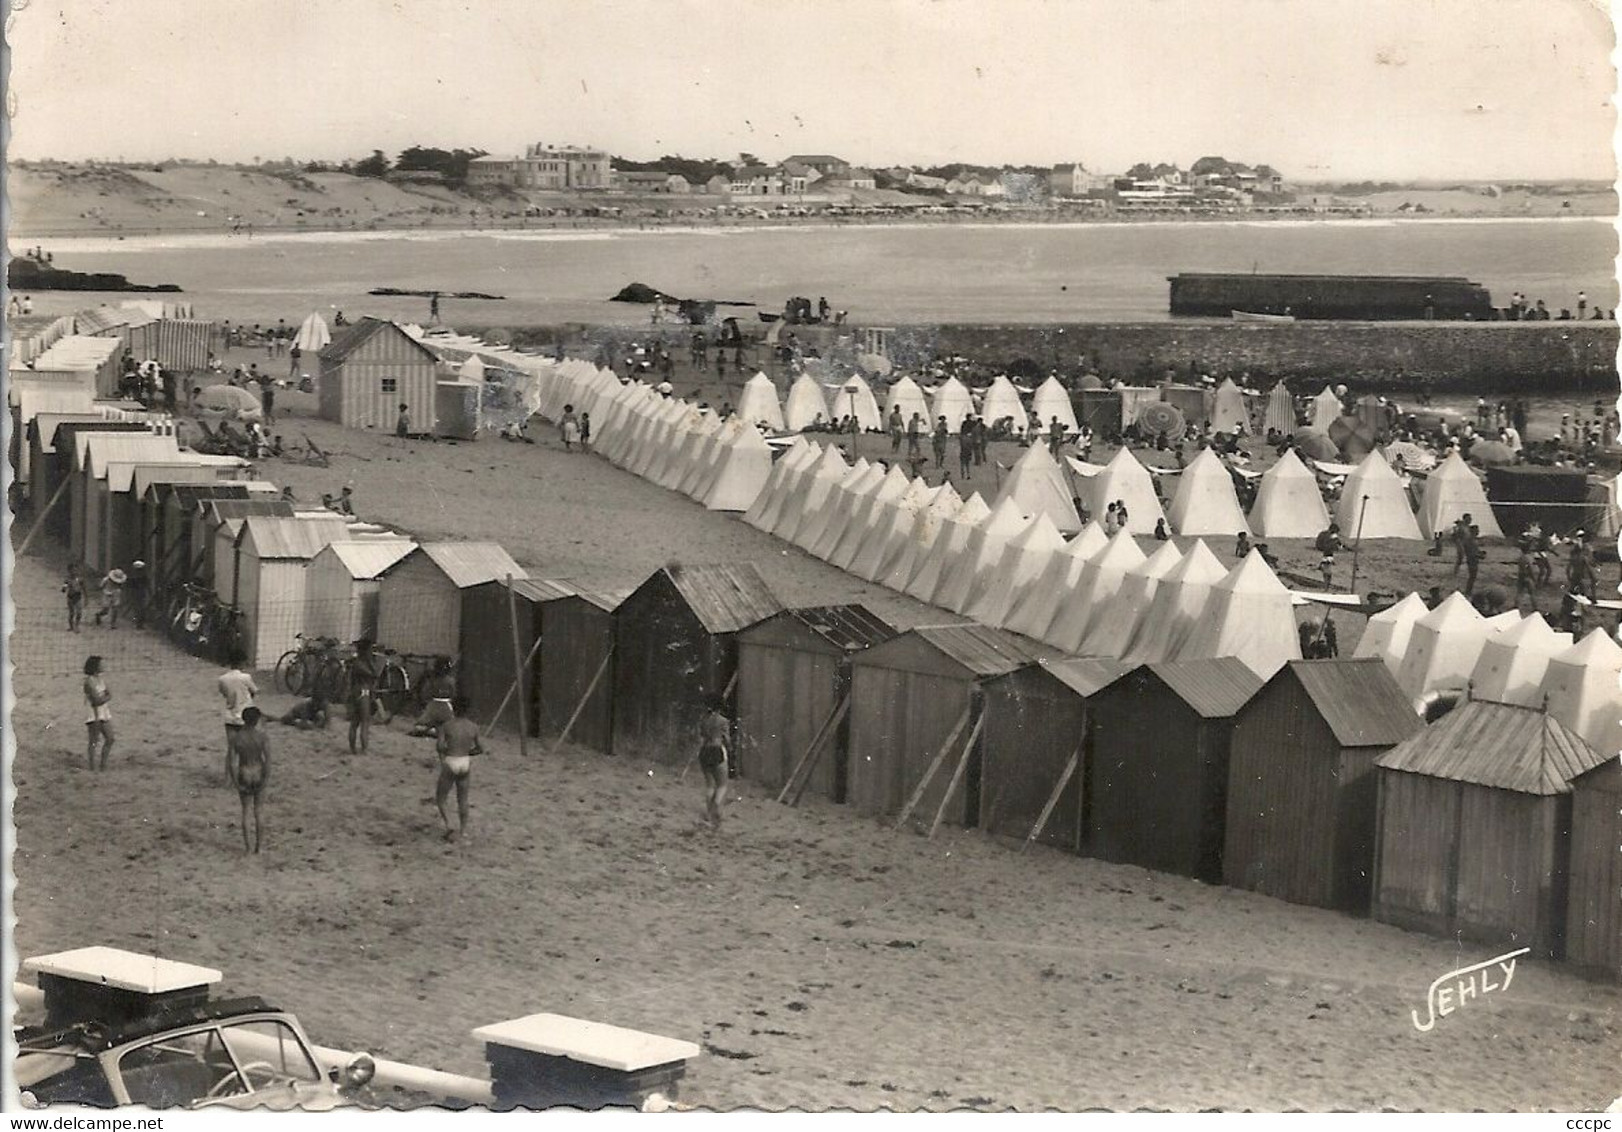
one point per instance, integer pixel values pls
(807, 761)
(957, 775)
(523, 713)
(584, 700)
(1053, 799)
(935, 765)
(39, 521)
(513, 687)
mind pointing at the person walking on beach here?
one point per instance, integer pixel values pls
(914, 425)
(267, 398)
(980, 438)
(1055, 436)
(238, 690)
(253, 771)
(112, 597)
(433, 307)
(1468, 551)
(362, 688)
(137, 588)
(73, 587)
(895, 427)
(569, 426)
(402, 423)
(440, 691)
(585, 431)
(99, 722)
(457, 745)
(712, 759)
(938, 442)
(293, 356)
(1581, 574)
(965, 449)
(1582, 303)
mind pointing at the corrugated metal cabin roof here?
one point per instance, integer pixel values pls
(279, 537)
(473, 563)
(1359, 699)
(192, 493)
(353, 336)
(846, 627)
(46, 424)
(366, 559)
(1497, 745)
(605, 600)
(1085, 675)
(540, 589)
(236, 508)
(1216, 688)
(102, 449)
(985, 651)
(725, 598)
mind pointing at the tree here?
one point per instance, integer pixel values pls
(1142, 171)
(449, 163)
(373, 166)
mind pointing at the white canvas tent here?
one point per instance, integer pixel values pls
(1288, 502)
(1250, 617)
(1124, 479)
(1101, 579)
(891, 520)
(1443, 647)
(758, 403)
(865, 512)
(1582, 686)
(1051, 400)
(951, 400)
(1180, 599)
(1326, 409)
(805, 506)
(1451, 491)
(1228, 412)
(742, 467)
(1513, 663)
(1025, 559)
(1038, 604)
(1386, 513)
(981, 556)
(1038, 485)
(768, 505)
(1205, 502)
(908, 552)
(1111, 634)
(1002, 400)
(935, 564)
(905, 395)
(854, 397)
(1387, 633)
(312, 334)
(806, 403)
(1280, 415)
(820, 537)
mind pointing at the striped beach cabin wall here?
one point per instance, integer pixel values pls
(1594, 906)
(370, 370)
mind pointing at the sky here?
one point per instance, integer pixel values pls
(1376, 89)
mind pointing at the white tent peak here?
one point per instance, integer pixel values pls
(1596, 649)
(1455, 610)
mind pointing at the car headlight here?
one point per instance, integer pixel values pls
(359, 1071)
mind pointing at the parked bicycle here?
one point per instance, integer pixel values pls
(317, 664)
(401, 679)
(201, 624)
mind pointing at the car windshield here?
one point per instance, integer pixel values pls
(270, 1053)
(231, 1060)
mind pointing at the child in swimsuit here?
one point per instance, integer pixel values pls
(458, 744)
(712, 760)
(99, 722)
(253, 770)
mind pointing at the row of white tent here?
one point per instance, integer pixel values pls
(1507, 658)
(810, 401)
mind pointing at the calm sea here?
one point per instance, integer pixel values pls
(879, 274)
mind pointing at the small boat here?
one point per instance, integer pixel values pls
(1250, 316)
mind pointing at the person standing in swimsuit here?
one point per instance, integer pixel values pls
(253, 771)
(713, 730)
(362, 688)
(74, 588)
(458, 744)
(440, 690)
(99, 722)
(237, 689)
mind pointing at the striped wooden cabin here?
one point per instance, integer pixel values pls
(1035, 723)
(676, 643)
(495, 615)
(793, 677)
(1157, 781)
(1301, 782)
(168, 510)
(372, 368)
(62, 463)
(1472, 834)
(107, 469)
(420, 600)
(40, 442)
(577, 667)
(273, 556)
(342, 586)
(1594, 907)
(220, 522)
(909, 696)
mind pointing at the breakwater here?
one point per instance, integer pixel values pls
(1456, 357)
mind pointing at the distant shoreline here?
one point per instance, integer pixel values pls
(82, 239)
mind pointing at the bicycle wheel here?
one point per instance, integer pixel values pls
(330, 680)
(393, 689)
(290, 672)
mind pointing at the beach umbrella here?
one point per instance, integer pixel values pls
(874, 363)
(1315, 444)
(1409, 456)
(1353, 437)
(1157, 418)
(1490, 452)
(229, 400)
(1090, 381)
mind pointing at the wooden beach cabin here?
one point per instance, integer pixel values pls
(1473, 828)
(66, 521)
(1301, 783)
(577, 677)
(912, 697)
(128, 529)
(342, 586)
(794, 691)
(40, 440)
(372, 368)
(1594, 904)
(676, 642)
(273, 556)
(488, 667)
(170, 510)
(1157, 781)
(94, 482)
(420, 600)
(1035, 744)
(221, 521)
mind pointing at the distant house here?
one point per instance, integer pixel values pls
(825, 164)
(1075, 181)
(797, 177)
(652, 182)
(977, 185)
(1220, 173)
(927, 183)
(372, 368)
(757, 181)
(859, 178)
(492, 171)
(718, 185)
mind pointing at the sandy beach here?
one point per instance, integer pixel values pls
(823, 960)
